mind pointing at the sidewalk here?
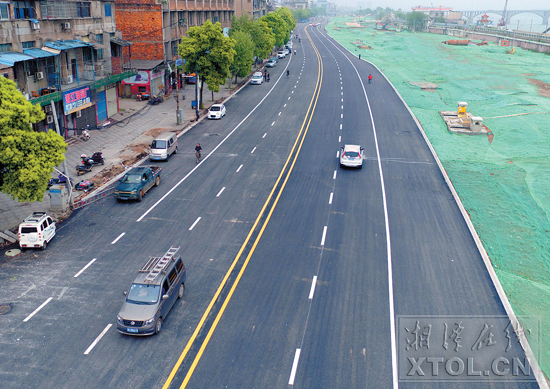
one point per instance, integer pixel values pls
(112, 141)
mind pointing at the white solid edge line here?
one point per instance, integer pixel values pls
(388, 239)
(84, 268)
(195, 223)
(37, 309)
(213, 150)
(238, 169)
(220, 192)
(97, 339)
(294, 367)
(334, 175)
(330, 198)
(324, 236)
(254, 149)
(120, 236)
(312, 289)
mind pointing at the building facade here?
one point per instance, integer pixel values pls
(65, 52)
(155, 29)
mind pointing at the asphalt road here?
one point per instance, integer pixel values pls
(292, 276)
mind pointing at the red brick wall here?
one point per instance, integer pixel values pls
(116, 64)
(141, 23)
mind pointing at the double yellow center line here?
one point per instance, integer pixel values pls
(285, 172)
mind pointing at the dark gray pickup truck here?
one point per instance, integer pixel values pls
(137, 182)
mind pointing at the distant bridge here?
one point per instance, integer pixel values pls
(471, 15)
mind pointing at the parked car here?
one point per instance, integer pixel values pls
(270, 64)
(257, 78)
(274, 59)
(287, 52)
(351, 156)
(281, 54)
(36, 231)
(152, 294)
(216, 111)
(137, 182)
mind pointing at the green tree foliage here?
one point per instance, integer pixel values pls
(440, 19)
(244, 57)
(288, 18)
(27, 158)
(262, 36)
(278, 25)
(415, 19)
(212, 67)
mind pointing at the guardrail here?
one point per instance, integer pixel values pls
(92, 199)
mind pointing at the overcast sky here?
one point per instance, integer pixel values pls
(458, 5)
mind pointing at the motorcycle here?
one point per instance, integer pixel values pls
(155, 100)
(85, 135)
(61, 179)
(97, 158)
(86, 166)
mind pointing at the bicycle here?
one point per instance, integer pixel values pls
(198, 156)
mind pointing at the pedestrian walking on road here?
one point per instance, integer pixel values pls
(370, 78)
(267, 77)
(359, 56)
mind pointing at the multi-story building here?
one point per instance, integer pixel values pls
(155, 29)
(67, 52)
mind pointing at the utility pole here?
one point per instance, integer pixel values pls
(68, 183)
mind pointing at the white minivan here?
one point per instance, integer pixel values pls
(164, 146)
(36, 231)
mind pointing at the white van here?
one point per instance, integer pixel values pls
(164, 146)
(36, 231)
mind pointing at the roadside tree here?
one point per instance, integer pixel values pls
(262, 36)
(244, 57)
(415, 20)
(278, 25)
(211, 52)
(288, 18)
(27, 157)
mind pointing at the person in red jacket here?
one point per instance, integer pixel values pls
(370, 78)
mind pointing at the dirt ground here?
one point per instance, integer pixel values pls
(543, 88)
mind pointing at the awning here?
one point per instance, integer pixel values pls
(10, 58)
(67, 45)
(120, 42)
(38, 53)
(143, 64)
(98, 46)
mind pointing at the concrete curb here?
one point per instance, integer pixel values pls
(541, 379)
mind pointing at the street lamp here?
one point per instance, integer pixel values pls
(196, 84)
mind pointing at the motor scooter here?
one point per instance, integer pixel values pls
(61, 179)
(155, 100)
(85, 135)
(86, 166)
(97, 158)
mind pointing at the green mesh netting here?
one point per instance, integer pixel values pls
(504, 184)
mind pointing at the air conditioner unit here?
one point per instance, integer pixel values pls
(79, 114)
(49, 119)
(48, 108)
(39, 75)
(66, 26)
(70, 79)
(35, 26)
